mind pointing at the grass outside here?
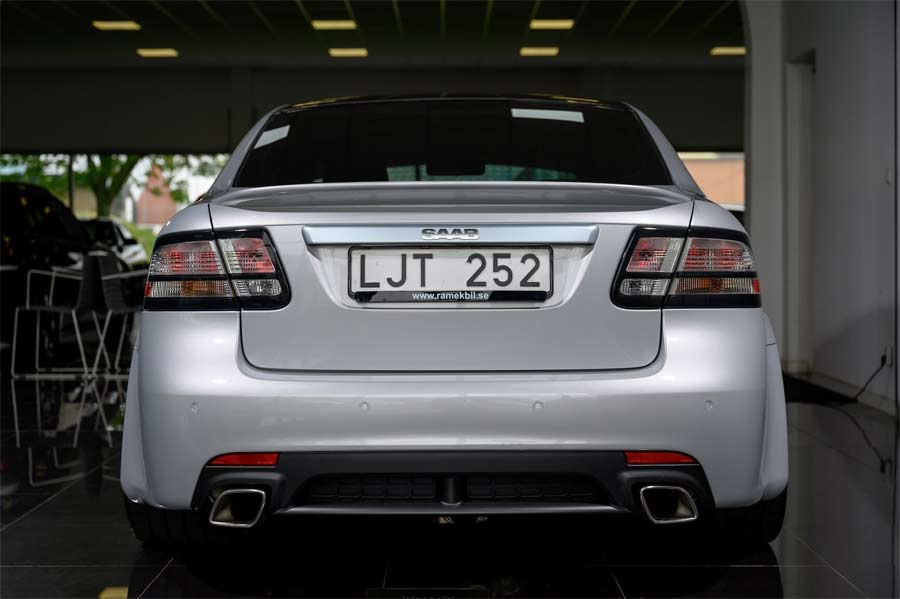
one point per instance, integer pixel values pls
(146, 237)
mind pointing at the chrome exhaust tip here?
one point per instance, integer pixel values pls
(238, 508)
(668, 505)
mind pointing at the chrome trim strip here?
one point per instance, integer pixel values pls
(470, 508)
(487, 234)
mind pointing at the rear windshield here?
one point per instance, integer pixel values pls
(453, 140)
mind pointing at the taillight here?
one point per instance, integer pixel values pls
(697, 268)
(235, 270)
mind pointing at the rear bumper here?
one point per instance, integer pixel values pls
(453, 482)
(713, 392)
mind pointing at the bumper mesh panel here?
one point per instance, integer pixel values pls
(476, 488)
(531, 488)
(328, 489)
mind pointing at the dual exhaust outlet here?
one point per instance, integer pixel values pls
(665, 504)
(244, 507)
(238, 508)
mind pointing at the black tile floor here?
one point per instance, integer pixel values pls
(63, 534)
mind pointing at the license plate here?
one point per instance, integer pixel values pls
(451, 274)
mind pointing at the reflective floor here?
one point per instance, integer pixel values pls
(64, 532)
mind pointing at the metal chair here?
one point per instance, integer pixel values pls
(87, 302)
(122, 297)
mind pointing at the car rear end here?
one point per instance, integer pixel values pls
(453, 306)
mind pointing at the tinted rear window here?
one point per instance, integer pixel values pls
(453, 140)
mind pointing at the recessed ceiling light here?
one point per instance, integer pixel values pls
(728, 51)
(116, 25)
(157, 52)
(538, 51)
(348, 52)
(552, 23)
(699, 155)
(334, 24)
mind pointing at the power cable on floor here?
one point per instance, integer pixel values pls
(883, 462)
(871, 378)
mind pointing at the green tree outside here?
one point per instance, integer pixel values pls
(106, 174)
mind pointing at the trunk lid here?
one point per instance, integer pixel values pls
(324, 328)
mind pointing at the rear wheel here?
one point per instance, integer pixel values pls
(758, 523)
(157, 527)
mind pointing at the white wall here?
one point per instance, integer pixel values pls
(763, 152)
(852, 300)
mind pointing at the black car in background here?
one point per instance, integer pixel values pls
(115, 236)
(36, 231)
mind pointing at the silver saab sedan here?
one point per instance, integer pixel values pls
(454, 306)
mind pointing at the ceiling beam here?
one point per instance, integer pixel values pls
(264, 20)
(486, 25)
(116, 10)
(396, 6)
(31, 15)
(665, 19)
(308, 18)
(214, 15)
(534, 11)
(350, 12)
(67, 8)
(712, 17)
(178, 22)
(621, 19)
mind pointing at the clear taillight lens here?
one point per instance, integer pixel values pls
(654, 254)
(257, 287)
(246, 255)
(714, 269)
(231, 272)
(644, 287)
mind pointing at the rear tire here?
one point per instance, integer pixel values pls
(157, 527)
(755, 524)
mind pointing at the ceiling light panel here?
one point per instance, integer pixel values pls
(334, 24)
(728, 51)
(348, 52)
(157, 52)
(539, 51)
(116, 25)
(553, 24)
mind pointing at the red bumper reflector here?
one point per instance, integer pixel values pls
(245, 459)
(641, 458)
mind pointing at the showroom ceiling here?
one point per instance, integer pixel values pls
(394, 33)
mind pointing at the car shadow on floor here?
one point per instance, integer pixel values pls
(470, 559)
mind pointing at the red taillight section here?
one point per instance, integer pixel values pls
(707, 268)
(717, 255)
(237, 270)
(245, 459)
(649, 458)
(186, 258)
